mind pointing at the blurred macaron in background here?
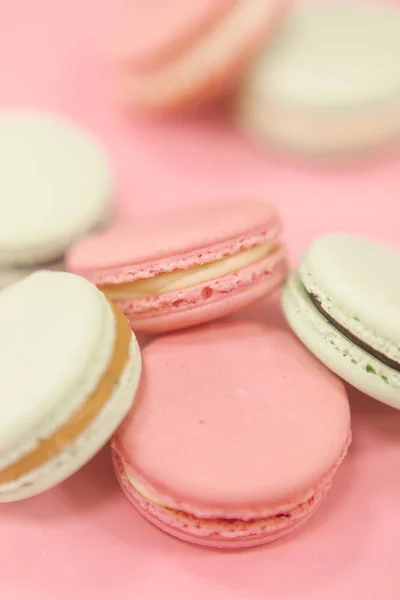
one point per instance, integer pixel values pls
(56, 184)
(330, 84)
(174, 55)
(319, 79)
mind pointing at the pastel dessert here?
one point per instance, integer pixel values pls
(343, 303)
(236, 436)
(192, 53)
(70, 366)
(188, 266)
(330, 84)
(55, 185)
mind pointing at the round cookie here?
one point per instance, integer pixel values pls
(55, 185)
(69, 371)
(188, 266)
(236, 436)
(343, 304)
(192, 53)
(330, 84)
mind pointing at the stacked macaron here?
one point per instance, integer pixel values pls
(325, 81)
(55, 186)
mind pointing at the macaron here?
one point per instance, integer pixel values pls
(188, 266)
(192, 53)
(236, 436)
(343, 303)
(70, 366)
(55, 185)
(330, 83)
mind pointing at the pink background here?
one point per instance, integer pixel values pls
(83, 539)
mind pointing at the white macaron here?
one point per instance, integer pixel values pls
(69, 372)
(56, 184)
(330, 85)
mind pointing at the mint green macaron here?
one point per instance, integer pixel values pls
(343, 302)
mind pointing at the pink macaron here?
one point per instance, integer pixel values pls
(175, 54)
(188, 266)
(236, 435)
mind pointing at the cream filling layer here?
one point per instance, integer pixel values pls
(349, 321)
(183, 279)
(143, 491)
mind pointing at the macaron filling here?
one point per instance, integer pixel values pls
(181, 279)
(352, 337)
(349, 326)
(47, 448)
(226, 530)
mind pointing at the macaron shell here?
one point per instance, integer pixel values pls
(288, 422)
(44, 156)
(88, 443)
(308, 93)
(144, 40)
(9, 275)
(337, 352)
(209, 70)
(362, 68)
(361, 277)
(57, 334)
(343, 135)
(174, 233)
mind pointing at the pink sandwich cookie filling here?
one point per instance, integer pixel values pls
(191, 276)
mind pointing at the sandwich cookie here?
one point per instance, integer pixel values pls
(55, 185)
(330, 84)
(236, 436)
(69, 371)
(193, 52)
(343, 303)
(186, 267)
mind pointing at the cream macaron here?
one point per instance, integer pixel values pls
(68, 375)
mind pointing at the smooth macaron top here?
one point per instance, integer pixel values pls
(333, 55)
(358, 276)
(173, 234)
(234, 419)
(55, 185)
(57, 336)
(151, 31)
